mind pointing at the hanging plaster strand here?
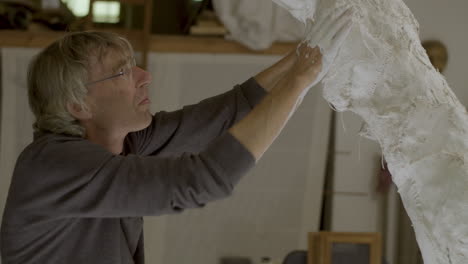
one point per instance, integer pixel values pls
(383, 74)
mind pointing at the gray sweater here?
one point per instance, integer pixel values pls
(71, 201)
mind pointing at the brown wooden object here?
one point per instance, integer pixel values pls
(157, 43)
(437, 52)
(331, 247)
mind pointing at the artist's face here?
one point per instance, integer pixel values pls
(119, 104)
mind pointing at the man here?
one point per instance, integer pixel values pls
(100, 161)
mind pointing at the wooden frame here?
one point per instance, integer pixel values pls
(156, 43)
(321, 246)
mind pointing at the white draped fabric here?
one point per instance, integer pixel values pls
(273, 207)
(384, 75)
(258, 24)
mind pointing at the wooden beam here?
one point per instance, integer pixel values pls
(190, 44)
(17, 38)
(157, 43)
(131, 2)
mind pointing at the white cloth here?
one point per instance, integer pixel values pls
(383, 74)
(300, 9)
(328, 32)
(257, 24)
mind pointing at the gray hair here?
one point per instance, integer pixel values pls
(58, 75)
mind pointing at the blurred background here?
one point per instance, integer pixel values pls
(318, 176)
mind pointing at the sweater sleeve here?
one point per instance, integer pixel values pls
(191, 128)
(60, 178)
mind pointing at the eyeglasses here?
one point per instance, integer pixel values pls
(121, 73)
(125, 71)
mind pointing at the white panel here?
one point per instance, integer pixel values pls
(352, 213)
(274, 205)
(392, 208)
(317, 156)
(357, 174)
(181, 79)
(16, 117)
(297, 135)
(277, 171)
(357, 163)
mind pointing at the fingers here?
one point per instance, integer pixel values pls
(311, 56)
(300, 49)
(305, 50)
(316, 57)
(308, 64)
(326, 35)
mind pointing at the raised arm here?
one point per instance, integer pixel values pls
(75, 178)
(193, 127)
(260, 127)
(269, 77)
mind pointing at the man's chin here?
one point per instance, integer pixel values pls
(149, 119)
(145, 123)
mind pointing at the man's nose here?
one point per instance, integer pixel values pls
(141, 76)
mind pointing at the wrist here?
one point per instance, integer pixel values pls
(292, 84)
(298, 82)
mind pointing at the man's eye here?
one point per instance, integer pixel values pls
(122, 72)
(125, 72)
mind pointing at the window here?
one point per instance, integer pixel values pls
(103, 11)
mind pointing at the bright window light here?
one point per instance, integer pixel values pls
(79, 8)
(106, 12)
(103, 11)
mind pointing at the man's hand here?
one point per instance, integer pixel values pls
(269, 77)
(308, 65)
(262, 125)
(328, 32)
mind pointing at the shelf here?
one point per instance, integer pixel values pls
(188, 44)
(131, 2)
(158, 43)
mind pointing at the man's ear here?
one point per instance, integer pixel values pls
(78, 112)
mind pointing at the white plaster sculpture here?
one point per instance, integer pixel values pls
(383, 74)
(257, 24)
